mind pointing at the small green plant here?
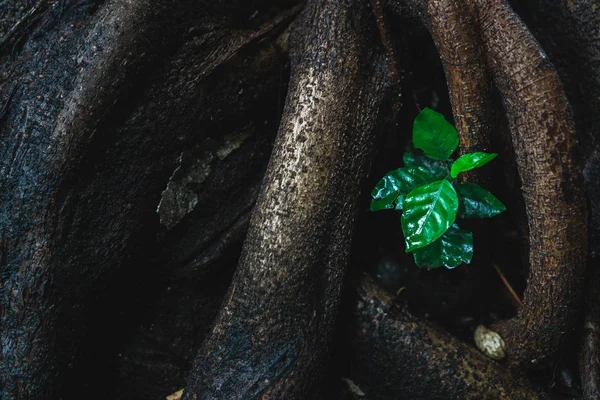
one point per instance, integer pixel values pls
(426, 192)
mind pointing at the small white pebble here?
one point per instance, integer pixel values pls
(489, 342)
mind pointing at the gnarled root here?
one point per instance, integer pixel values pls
(396, 354)
(454, 31)
(272, 334)
(78, 198)
(453, 28)
(544, 140)
(543, 135)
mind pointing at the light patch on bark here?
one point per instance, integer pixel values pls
(233, 142)
(297, 141)
(180, 197)
(353, 388)
(175, 396)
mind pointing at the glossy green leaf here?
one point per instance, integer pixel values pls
(415, 158)
(471, 161)
(385, 203)
(454, 247)
(429, 210)
(434, 135)
(389, 192)
(476, 202)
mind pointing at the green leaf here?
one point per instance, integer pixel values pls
(471, 161)
(428, 212)
(434, 135)
(389, 192)
(412, 158)
(454, 247)
(476, 202)
(386, 203)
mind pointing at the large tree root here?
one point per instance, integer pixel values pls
(79, 197)
(544, 140)
(273, 332)
(98, 146)
(396, 354)
(453, 29)
(569, 32)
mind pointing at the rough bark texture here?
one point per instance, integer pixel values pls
(90, 146)
(453, 29)
(271, 337)
(589, 350)
(396, 355)
(134, 140)
(589, 358)
(544, 140)
(570, 32)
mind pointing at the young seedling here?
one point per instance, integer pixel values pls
(426, 192)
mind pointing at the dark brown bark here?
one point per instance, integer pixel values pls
(271, 337)
(544, 139)
(135, 136)
(589, 348)
(86, 161)
(396, 355)
(543, 135)
(455, 34)
(568, 31)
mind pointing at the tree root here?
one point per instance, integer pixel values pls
(589, 350)
(78, 206)
(124, 46)
(568, 31)
(272, 334)
(395, 353)
(89, 161)
(544, 140)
